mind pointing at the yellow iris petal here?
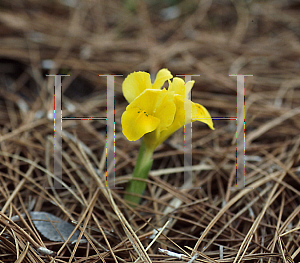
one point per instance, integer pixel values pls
(158, 103)
(134, 84)
(200, 113)
(177, 85)
(136, 123)
(161, 77)
(179, 119)
(180, 88)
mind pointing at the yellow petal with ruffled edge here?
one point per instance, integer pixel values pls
(179, 118)
(162, 75)
(137, 122)
(134, 84)
(157, 103)
(181, 88)
(177, 86)
(200, 113)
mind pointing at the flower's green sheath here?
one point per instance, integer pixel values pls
(154, 114)
(141, 170)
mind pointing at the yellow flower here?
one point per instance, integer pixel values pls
(155, 114)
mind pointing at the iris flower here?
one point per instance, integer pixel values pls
(155, 114)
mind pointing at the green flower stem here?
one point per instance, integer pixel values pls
(141, 170)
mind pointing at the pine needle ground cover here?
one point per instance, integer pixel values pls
(211, 222)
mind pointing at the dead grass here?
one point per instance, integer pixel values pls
(211, 38)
